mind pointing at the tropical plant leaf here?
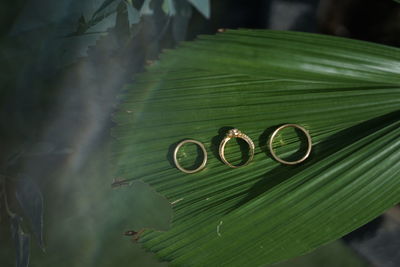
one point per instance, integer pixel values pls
(346, 93)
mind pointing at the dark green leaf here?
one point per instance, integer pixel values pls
(31, 201)
(346, 93)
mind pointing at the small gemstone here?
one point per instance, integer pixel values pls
(234, 132)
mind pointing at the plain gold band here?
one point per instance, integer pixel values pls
(308, 152)
(235, 133)
(203, 164)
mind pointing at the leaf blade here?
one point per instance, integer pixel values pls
(254, 81)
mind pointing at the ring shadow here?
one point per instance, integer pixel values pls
(320, 151)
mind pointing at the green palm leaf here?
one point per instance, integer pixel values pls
(345, 92)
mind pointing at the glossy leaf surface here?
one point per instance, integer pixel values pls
(346, 93)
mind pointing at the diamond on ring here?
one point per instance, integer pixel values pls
(234, 133)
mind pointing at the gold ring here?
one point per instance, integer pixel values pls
(203, 164)
(235, 133)
(308, 141)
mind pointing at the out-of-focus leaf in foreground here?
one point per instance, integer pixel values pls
(346, 93)
(21, 241)
(31, 201)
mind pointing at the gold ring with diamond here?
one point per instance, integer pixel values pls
(235, 133)
(309, 144)
(202, 165)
